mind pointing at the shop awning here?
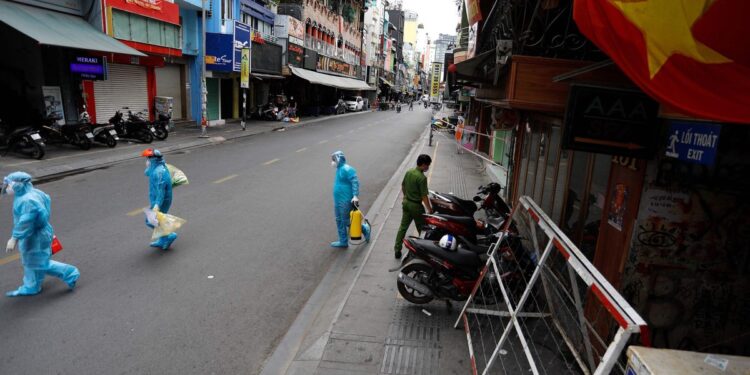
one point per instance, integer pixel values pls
(262, 76)
(468, 68)
(57, 29)
(330, 80)
(387, 82)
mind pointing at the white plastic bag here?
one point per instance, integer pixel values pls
(167, 224)
(178, 176)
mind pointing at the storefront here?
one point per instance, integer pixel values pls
(51, 65)
(266, 75)
(223, 55)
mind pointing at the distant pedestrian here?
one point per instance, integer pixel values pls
(416, 199)
(32, 234)
(411, 105)
(159, 191)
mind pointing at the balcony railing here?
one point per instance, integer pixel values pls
(330, 50)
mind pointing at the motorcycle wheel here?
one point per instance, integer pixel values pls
(37, 151)
(161, 133)
(418, 271)
(110, 141)
(84, 144)
(32, 149)
(146, 137)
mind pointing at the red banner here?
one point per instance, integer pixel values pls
(688, 54)
(157, 9)
(473, 12)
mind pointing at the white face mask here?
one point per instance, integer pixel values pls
(148, 163)
(333, 163)
(9, 190)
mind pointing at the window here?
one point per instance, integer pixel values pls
(140, 29)
(531, 170)
(548, 195)
(560, 183)
(544, 153)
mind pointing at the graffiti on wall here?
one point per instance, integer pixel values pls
(688, 266)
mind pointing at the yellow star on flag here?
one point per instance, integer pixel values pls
(666, 27)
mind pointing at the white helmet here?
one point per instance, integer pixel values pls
(448, 242)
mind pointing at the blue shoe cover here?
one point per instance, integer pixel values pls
(167, 241)
(339, 244)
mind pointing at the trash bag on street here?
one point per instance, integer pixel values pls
(178, 176)
(167, 224)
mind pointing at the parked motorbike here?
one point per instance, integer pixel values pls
(161, 126)
(267, 112)
(23, 140)
(103, 133)
(75, 134)
(131, 130)
(429, 271)
(340, 107)
(488, 195)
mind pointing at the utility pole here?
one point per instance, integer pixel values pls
(204, 89)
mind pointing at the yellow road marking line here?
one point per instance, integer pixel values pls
(338, 136)
(9, 259)
(225, 179)
(302, 149)
(434, 157)
(271, 161)
(323, 141)
(136, 211)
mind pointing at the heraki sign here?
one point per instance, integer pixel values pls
(90, 68)
(611, 121)
(437, 69)
(241, 41)
(693, 142)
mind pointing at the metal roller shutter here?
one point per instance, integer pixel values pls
(126, 86)
(169, 83)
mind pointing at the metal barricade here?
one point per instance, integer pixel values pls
(557, 314)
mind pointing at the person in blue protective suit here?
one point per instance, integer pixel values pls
(32, 234)
(345, 193)
(159, 191)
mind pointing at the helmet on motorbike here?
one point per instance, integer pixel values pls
(448, 242)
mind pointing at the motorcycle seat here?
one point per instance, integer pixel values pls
(468, 206)
(460, 257)
(463, 220)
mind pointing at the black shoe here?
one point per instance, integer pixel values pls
(397, 254)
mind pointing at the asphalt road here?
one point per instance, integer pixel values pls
(255, 246)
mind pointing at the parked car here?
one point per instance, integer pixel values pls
(354, 103)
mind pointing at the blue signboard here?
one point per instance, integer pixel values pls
(241, 40)
(694, 142)
(90, 68)
(219, 52)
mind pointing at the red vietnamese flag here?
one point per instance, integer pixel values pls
(693, 55)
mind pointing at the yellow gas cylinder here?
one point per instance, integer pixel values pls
(355, 225)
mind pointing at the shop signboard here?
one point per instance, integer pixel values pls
(471, 51)
(245, 69)
(328, 64)
(311, 59)
(611, 121)
(296, 31)
(693, 142)
(53, 104)
(89, 68)
(266, 58)
(295, 55)
(437, 69)
(241, 41)
(219, 52)
(473, 12)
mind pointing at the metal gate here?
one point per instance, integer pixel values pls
(549, 311)
(126, 86)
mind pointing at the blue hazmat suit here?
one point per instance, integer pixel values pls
(31, 227)
(159, 193)
(345, 188)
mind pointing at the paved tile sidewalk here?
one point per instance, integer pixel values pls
(377, 331)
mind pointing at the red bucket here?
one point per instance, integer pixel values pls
(56, 245)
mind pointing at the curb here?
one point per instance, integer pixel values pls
(59, 172)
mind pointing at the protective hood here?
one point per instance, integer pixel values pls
(21, 182)
(339, 158)
(153, 163)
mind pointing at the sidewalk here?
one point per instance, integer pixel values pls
(365, 327)
(62, 160)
